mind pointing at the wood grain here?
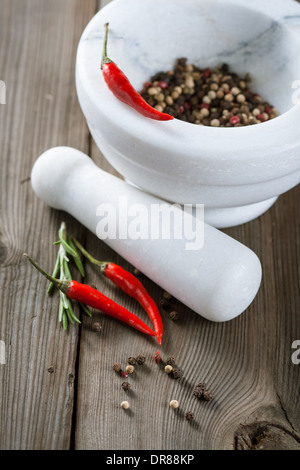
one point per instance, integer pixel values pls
(57, 389)
(38, 46)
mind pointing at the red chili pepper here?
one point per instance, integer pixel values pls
(95, 299)
(131, 286)
(121, 87)
(134, 288)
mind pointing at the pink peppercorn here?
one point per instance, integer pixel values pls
(162, 84)
(181, 109)
(157, 358)
(206, 73)
(124, 374)
(204, 105)
(234, 120)
(262, 117)
(147, 85)
(268, 109)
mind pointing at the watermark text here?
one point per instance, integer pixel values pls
(155, 222)
(296, 354)
(2, 92)
(2, 352)
(296, 93)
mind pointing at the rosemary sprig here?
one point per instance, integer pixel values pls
(66, 313)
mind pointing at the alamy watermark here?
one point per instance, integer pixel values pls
(2, 352)
(2, 92)
(296, 93)
(161, 221)
(296, 354)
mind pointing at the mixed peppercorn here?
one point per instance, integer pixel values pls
(218, 98)
(168, 304)
(170, 367)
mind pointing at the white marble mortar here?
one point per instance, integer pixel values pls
(237, 173)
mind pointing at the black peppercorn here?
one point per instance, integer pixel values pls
(174, 315)
(167, 296)
(198, 392)
(96, 327)
(131, 360)
(126, 386)
(207, 395)
(189, 416)
(177, 373)
(165, 304)
(170, 361)
(117, 367)
(201, 385)
(140, 360)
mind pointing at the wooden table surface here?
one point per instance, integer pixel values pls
(57, 388)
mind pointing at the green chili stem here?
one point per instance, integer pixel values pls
(62, 285)
(105, 59)
(101, 264)
(54, 273)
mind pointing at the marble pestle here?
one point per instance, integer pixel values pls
(217, 279)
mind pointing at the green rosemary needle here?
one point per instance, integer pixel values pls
(66, 313)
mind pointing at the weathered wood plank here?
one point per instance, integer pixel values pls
(38, 47)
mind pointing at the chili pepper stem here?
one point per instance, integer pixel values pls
(61, 285)
(102, 264)
(105, 59)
